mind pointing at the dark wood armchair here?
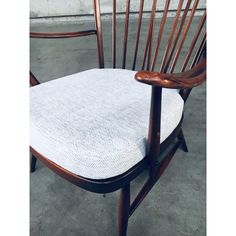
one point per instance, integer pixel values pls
(92, 128)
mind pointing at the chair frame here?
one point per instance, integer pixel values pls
(159, 154)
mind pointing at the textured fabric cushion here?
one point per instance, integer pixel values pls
(95, 123)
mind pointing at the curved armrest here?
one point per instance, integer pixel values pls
(183, 80)
(58, 35)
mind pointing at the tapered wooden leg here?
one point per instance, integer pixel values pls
(182, 141)
(124, 207)
(33, 163)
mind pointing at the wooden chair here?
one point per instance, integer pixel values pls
(112, 151)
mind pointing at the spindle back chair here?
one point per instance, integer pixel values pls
(190, 72)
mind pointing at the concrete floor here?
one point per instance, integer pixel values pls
(176, 206)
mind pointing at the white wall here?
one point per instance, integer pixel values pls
(45, 8)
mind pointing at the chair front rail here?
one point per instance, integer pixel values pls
(93, 185)
(105, 185)
(102, 188)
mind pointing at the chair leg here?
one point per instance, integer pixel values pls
(33, 163)
(124, 208)
(182, 141)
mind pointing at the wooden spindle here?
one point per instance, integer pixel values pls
(193, 43)
(126, 33)
(184, 36)
(199, 51)
(138, 32)
(172, 33)
(186, 92)
(114, 34)
(98, 25)
(163, 20)
(166, 66)
(149, 37)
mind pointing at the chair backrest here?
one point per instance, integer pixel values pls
(167, 54)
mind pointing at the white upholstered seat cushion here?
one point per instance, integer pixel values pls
(95, 123)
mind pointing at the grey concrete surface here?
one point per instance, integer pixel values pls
(176, 206)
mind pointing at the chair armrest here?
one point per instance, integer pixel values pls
(183, 80)
(58, 35)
